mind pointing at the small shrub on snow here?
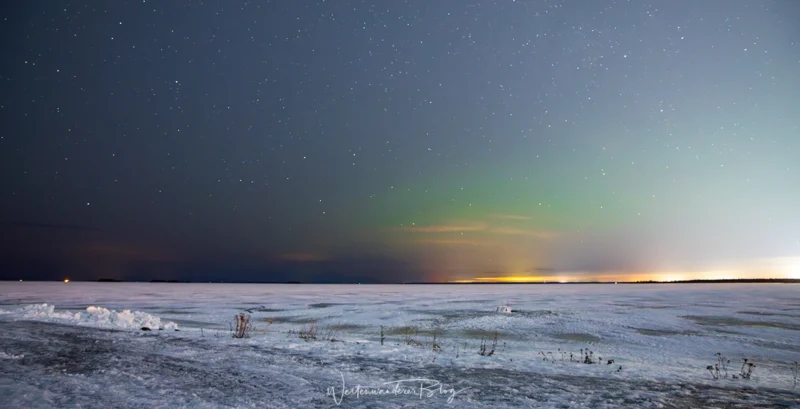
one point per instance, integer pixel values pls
(242, 325)
(309, 333)
(408, 336)
(750, 367)
(545, 355)
(588, 356)
(314, 332)
(722, 363)
(435, 344)
(329, 333)
(714, 374)
(585, 356)
(484, 350)
(720, 369)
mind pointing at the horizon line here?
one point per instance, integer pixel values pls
(457, 282)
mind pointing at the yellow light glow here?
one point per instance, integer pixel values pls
(504, 279)
(66, 280)
(794, 270)
(630, 277)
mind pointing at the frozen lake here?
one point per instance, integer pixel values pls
(661, 338)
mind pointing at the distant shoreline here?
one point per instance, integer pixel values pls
(724, 281)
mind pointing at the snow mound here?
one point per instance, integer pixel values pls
(4, 355)
(504, 309)
(98, 317)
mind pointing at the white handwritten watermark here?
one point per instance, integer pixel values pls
(417, 387)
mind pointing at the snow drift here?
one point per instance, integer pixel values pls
(97, 317)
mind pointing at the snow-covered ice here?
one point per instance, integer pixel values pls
(82, 344)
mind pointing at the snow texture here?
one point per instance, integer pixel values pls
(660, 338)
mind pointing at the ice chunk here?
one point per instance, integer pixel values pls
(4, 355)
(97, 317)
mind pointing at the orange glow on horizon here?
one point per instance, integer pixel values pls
(576, 277)
(504, 279)
(755, 268)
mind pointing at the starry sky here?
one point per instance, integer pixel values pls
(391, 141)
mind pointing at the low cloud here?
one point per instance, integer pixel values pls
(455, 242)
(443, 228)
(523, 232)
(510, 217)
(541, 270)
(302, 257)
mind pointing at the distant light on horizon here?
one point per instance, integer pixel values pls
(777, 268)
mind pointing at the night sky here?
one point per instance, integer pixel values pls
(389, 141)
